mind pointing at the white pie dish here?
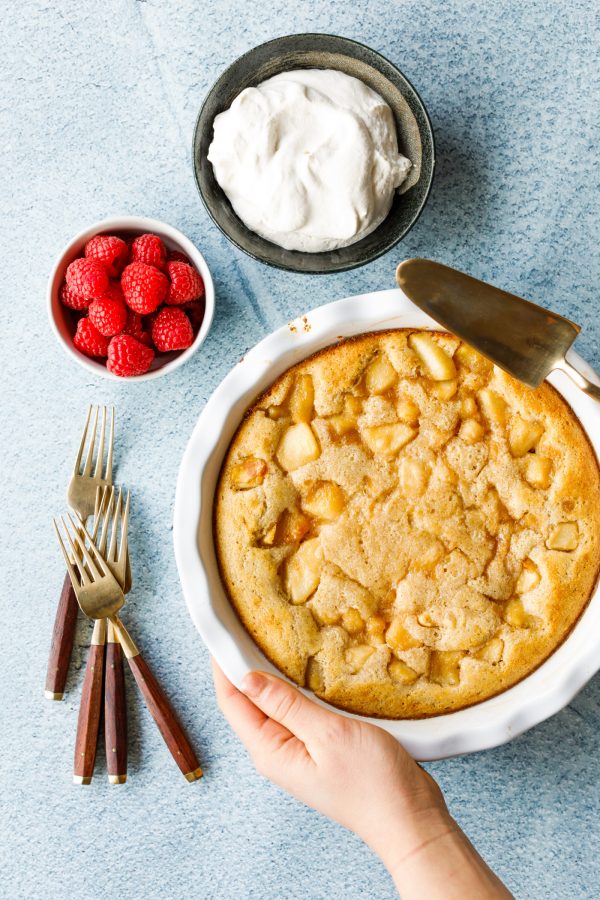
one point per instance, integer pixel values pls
(478, 727)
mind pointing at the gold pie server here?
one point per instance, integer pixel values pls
(525, 340)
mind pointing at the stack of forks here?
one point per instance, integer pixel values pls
(98, 577)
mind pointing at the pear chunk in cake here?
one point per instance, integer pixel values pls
(291, 528)
(468, 357)
(297, 447)
(491, 652)
(357, 656)
(303, 571)
(515, 615)
(353, 621)
(401, 673)
(471, 431)
(445, 390)
(380, 375)
(398, 638)
(346, 421)
(529, 577)
(249, 473)
(537, 471)
(277, 412)
(523, 436)
(302, 401)
(375, 628)
(468, 407)
(388, 439)
(445, 667)
(413, 476)
(493, 406)
(436, 362)
(564, 537)
(325, 500)
(407, 411)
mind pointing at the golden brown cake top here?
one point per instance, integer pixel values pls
(405, 528)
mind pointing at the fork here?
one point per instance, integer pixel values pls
(81, 497)
(97, 585)
(103, 675)
(115, 702)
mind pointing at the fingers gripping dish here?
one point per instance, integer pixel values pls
(405, 529)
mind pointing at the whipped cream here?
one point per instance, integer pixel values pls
(309, 159)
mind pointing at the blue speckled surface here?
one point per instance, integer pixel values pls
(99, 102)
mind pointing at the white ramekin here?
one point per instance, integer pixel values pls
(174, 240)
(487, 724)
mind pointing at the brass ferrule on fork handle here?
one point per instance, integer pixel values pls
(123, 638)
(99, 633)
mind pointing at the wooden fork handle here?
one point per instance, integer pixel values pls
(61, 647)
(90, 708)
(162, 712)
(115, 710)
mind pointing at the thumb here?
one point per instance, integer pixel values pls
(285, 704)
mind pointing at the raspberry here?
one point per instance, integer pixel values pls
(146, 338)
(128, 357)
(133, 325)
(149, 249)
(109, 316)
(171, 330)
(178, 256)
(113, 292)
(88, 339)
(186, 284)
(144, 287)
(195, 313)
(110, 251)
(71, 299)
(87, 277)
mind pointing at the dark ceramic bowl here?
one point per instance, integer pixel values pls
(321, 51)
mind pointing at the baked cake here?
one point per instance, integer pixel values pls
(404, 528)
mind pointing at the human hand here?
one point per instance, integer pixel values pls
(349, 770)
(360, 776)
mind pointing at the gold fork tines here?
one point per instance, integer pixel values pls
(114, 515)
(102, 512)
(87, 469)
(84, 482)
(98, 592)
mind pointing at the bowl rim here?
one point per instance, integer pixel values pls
(328, 270)
(120, 224)
(487, 724)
